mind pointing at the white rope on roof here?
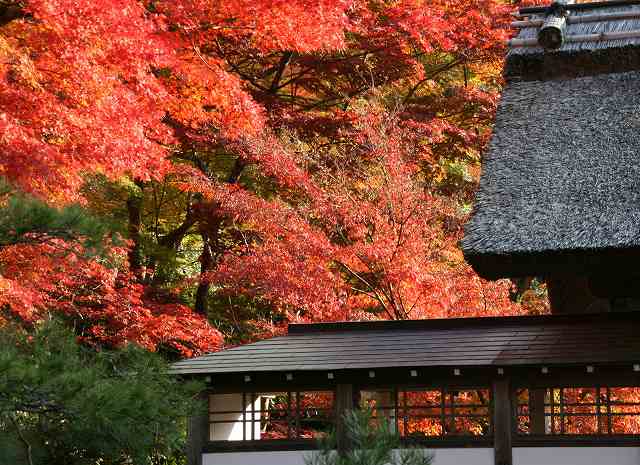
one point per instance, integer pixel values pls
(571, 5)
(597, 37)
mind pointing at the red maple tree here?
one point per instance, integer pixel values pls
(100, 300)
(324, 152)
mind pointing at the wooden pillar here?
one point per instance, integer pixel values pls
(198, 431)
(344, 404)
(502, 422)
(536, 411)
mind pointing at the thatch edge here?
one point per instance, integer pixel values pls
(493, 266)
(569, 65)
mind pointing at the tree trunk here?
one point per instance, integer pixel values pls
(10, 12)
(134, 210)
(209, 226)
(206, 264)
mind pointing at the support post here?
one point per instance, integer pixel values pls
(344, 404)
(198, 431)
(536, 411)
(502, 422)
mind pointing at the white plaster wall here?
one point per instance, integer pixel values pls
(231, 431)
(576, 456)
(470, 456)
(254, 458)
(475, 456)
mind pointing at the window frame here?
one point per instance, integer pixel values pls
(293, 410)
(443, 441)
(520, 439)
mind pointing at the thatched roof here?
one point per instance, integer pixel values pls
(560, 189)
(577, 57)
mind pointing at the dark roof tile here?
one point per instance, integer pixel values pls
(478, 342)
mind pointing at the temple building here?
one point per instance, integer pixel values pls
(559, 193)
(559, 199)
(552, 390)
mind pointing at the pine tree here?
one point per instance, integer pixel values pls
(64, 403)
(28, 220)
(371, 443)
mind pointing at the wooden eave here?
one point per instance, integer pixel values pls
(476, 346)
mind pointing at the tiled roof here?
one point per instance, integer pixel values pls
(477, 342)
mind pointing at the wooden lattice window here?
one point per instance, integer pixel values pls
(573, 411)
(432, 413)
(253, 416)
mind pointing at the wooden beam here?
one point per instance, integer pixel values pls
(502, 429)
(198, 431)
(578, 38)
(344, 404)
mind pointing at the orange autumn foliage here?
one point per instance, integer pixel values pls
(101, 301)
(355, 129)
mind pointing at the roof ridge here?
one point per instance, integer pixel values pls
(576, 6)
(453, 323)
